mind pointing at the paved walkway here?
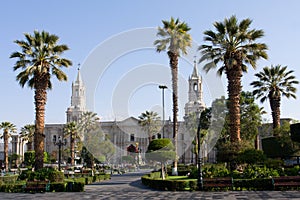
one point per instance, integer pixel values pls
(128, 186)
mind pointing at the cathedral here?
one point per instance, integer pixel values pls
(124, 133)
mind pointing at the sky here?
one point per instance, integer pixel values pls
(113, 42)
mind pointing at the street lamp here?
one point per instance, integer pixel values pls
(163, 87)
(200, 177)
(60, 142)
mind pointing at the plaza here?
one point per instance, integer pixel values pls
(129, 186)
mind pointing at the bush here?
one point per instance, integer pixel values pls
(58, 187)
(42, 174)
(253, 184)
(251, 156)
(17, 187)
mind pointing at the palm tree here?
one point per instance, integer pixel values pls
(40, 58)
(70, 129)
(233, 45)
(149, 121)
(274, 82)
(27, 134)
(87, 122)
(8, 128)
(174, 38)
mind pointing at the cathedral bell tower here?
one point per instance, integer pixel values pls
(195, 99)
(77, 100)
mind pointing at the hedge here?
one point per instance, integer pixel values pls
(151, 181)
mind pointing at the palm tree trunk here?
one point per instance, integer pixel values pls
(275, 107)
(40, 98)
(72, 147)
(234, 75)
(174, 70)
(6, 150)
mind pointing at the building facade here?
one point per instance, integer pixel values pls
(128, 131)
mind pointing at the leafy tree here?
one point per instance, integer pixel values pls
(161, 150)
(27, 133)
(8, 128)
(90, 134)
(71, 130)
(149, 120)
(174, 38)
(192, 123)
(251, 116)
(40, 58)
(107, 149)
(29, 158)
(281, 145)
(233, 45)
(274, 82)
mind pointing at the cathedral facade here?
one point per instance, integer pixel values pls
(124, 133)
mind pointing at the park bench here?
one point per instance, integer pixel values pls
(286, 182)
(219, 183)
(37, 186)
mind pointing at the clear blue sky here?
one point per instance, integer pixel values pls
(88, 26)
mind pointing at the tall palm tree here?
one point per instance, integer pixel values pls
(233, 45)
(174, 38)
(8, 128)
(38, 60)
(274, 82)
(149, 121)
(27, 134)
(70, 130)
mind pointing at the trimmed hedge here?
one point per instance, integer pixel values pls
(170, 185)
(256, 184)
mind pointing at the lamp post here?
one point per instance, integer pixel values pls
(200, 177)
(60, 142)
(163, 87)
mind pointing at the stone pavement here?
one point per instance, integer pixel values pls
(128, 186)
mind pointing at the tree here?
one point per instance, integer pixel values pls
(192, 123)
(251, 116)
(71, 130)
(40, 58)
(8, 128)
(149, 120)
(27, 134)
(274, 82)
(107, 149)
(233, 44)
(174, 38)
(91, 135)
(161, 150)
(88, 122)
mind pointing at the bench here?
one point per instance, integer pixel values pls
(220, 183)
(37, 186)
(286, 182)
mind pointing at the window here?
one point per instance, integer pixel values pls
(131, 137)
(159, 135)
(195, 87)
(54, 138)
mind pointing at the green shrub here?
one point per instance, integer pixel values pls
(251, 156)
(8, 179)
(253, 184)
(42, 174)
(17, 187)
(57, 187)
